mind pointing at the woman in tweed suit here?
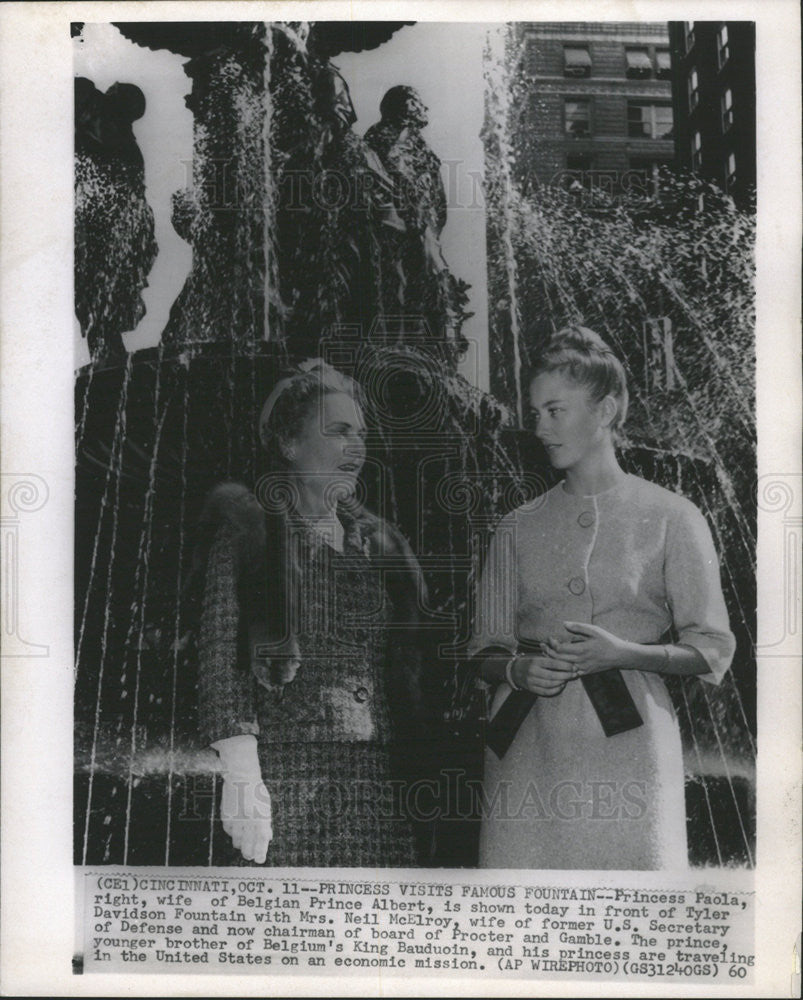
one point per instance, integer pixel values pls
(301, 690)
(594, 590)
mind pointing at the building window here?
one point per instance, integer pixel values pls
(662, 121)
(649, 121)
(578, 172)
(578, 118)
(730, 172)
(663, 64)
(637, 64)
(576, 60)
(578, 162)
(723, 52)
(696, 151)
(726, 102)
(689, 35)
(694, 90)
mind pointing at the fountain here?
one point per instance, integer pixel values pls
(272, 279)
(278, 252)
(672, 289)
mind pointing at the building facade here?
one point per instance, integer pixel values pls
(714, 102)
(597, 104)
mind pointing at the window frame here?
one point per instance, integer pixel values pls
(693, 88)
(652, 121)
(649, 71)
(585, 68)
(661, 73)
(584, 101)
(578, 175)
(696, 150)
(730, 171)
(726, 110)
(723, 45)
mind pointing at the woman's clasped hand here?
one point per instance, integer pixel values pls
(546, 676)
(591, 649)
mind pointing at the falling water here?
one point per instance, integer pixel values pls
(271, 270)
(177, 631)
(156, 433)
(498, 102)
(600, 263)
(136, 629)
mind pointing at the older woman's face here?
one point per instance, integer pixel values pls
(330, 443)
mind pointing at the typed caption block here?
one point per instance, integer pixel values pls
(148, 921)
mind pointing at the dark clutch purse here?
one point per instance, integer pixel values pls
(612, 701)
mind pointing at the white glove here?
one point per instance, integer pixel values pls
(245, 801)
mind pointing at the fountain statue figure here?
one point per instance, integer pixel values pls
(431, 289)
(114, 226)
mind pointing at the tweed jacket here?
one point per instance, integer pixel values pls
(365, 693)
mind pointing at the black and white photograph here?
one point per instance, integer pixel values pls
(418, 517)
(368, 487)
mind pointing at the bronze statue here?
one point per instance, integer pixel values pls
(114, 229)
(432, 292)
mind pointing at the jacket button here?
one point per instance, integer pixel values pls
(361, 695)
(577, 585)
(586, 519)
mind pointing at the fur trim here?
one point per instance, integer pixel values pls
(234, 505)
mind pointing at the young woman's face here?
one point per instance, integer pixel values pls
(568, 421)
(330, 444)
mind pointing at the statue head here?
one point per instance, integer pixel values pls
(115, 245)
(126, 101)
(103, 122)
(403, 105)
(333, 99)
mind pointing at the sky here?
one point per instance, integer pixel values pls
(443, 61)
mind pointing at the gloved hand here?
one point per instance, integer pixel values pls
(245, 801)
